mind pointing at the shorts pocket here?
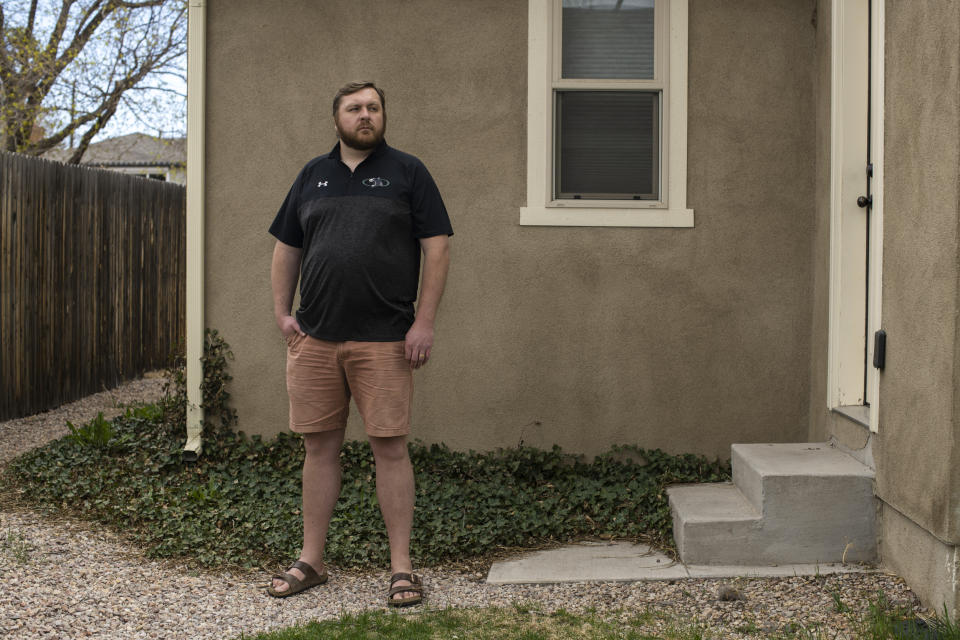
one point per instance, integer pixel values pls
(292, 340)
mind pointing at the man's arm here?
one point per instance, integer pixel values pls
(284, 273)
(436, 260)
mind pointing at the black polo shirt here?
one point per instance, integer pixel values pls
(360, 238)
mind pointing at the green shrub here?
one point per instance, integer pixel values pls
(96, 433)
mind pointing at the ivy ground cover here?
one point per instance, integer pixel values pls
(239, 504)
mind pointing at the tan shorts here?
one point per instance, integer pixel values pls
(321, 377)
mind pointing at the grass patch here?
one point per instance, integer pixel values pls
(885, 620)
(528, 621)
(506, 623)
(14, 546)
(882, 620)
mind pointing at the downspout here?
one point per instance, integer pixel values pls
(196, 113)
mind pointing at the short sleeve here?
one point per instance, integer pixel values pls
(429, 213)
(286, 225)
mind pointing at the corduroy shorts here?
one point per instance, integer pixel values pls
(322, 376)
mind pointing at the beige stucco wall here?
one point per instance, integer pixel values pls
(929, 566)
(918, 389)
(821, 421)
(684, 339)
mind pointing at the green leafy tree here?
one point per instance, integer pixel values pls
(67, 67)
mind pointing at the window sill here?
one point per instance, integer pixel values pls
(604, 217)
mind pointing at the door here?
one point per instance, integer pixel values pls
(856, 122)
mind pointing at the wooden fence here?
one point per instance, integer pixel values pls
(92, 279)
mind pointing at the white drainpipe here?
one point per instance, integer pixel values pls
(196, 90)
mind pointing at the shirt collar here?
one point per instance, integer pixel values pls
(335, 152)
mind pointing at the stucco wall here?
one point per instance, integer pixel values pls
(918, 389)
(821, 421)
(684, 339)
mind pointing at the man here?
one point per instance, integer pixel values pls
(352, 230)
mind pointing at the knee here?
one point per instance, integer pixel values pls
(389, 450)
(322, 445)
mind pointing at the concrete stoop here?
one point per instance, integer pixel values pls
(796, 503)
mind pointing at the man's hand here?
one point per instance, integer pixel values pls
(436, 259)
(418, 344)
(289, 326)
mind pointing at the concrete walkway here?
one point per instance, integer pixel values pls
(626, 562)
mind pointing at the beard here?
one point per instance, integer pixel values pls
(364, 143)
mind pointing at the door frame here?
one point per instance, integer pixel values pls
(847, 259)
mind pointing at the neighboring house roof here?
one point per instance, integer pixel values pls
(131, 150)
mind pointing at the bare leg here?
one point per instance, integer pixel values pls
(395, 493)
(321, 488)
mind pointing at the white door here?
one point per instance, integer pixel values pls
(856, 125)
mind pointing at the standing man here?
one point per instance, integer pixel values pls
(352, 230)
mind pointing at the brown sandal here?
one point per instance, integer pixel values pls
(294, 585)
(415, 586)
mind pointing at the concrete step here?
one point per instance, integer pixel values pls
(788, 504)
(713, 523)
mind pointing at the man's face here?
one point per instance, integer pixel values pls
(360, 121)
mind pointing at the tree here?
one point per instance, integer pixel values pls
(65, 71)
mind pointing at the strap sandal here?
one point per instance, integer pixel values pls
(294, 585)
(415, 586)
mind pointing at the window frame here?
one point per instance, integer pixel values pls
(544, 78)
(655, 156)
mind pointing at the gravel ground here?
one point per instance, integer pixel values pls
(64, 578)
(23, 434)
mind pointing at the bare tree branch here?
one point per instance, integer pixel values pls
(157, 89)
(138, 5)
(80, 38)
(109, 109)
(56, 35)
(50, 142)
(4, 57)
(33, 16)
(74, 86)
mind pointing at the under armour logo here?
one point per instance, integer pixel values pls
(323, 183)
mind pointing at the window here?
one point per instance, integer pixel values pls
(607, 113)
(607, 145)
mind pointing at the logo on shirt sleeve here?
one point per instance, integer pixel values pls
(376, 182)
(323, 183)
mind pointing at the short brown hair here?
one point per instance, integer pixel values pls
(353, 87)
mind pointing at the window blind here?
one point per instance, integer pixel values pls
(608, 144)
(605, 42)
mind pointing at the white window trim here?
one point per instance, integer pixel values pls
(542, 209)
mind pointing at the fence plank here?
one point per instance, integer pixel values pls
(92, 280)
